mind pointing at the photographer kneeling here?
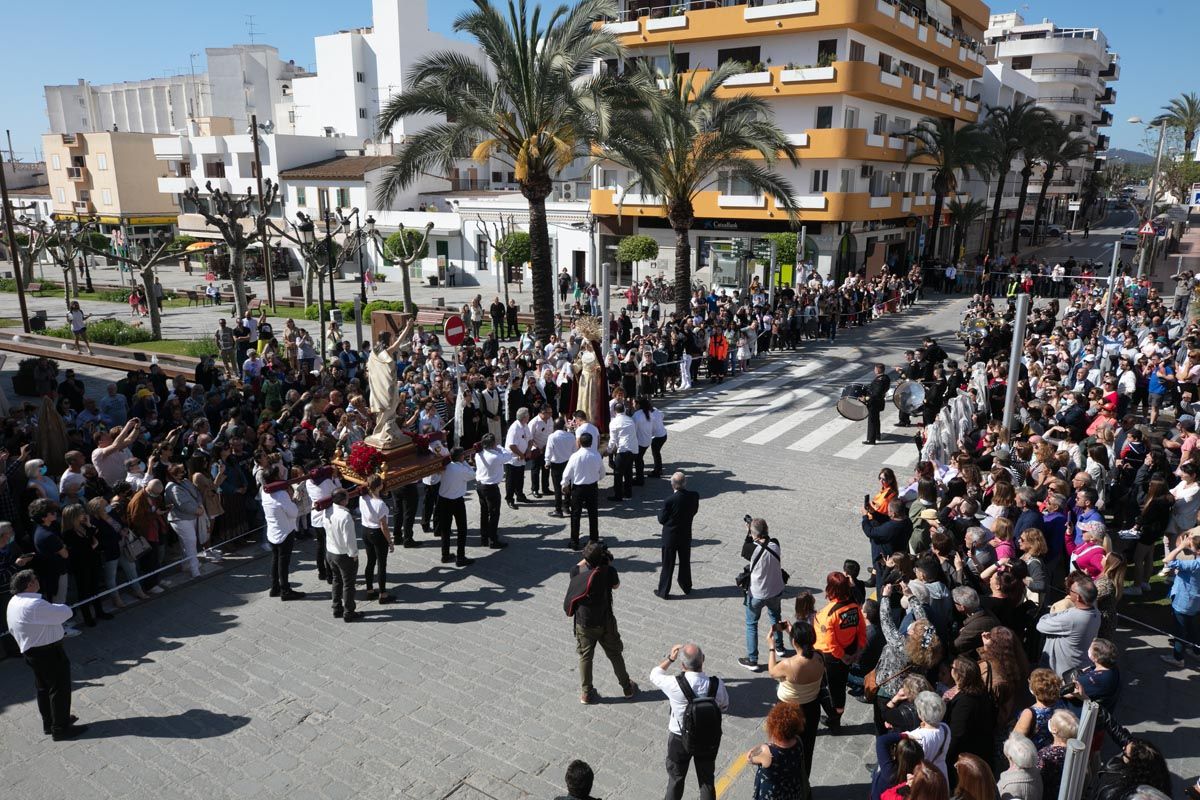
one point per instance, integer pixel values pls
(762, 581)
(589, 601)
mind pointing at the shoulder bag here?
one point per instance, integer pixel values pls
(871, 683)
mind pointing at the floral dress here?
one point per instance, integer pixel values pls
(786, 778)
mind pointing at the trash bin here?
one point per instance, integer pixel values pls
(38, 321)
(433, 280)
(335, 315)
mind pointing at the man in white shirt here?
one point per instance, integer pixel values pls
(691, 659)
(112, 452)
(582, 426)
(319, 487)
(489, 471)
(341, 544)
(452, 488)
(559, 448)
(518, 442)
(282, 516)
(644, 432)
(539, 433)
(580, 480)
(622, 444)
(37, 627)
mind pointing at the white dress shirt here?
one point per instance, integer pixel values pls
(34, 622)
(455, 479)
(519, 437)
(373, 511)
(281, 514)
(584, 466)
(622, 435)
(588, 427)
(670, 687)
(559, 447)
(489, 465)
(319, 491)
(539, 431)
(658, 428)
(643, 428)
(341, 537)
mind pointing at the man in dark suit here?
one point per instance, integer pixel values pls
(876, 399)
(887, 536)
(676, 520)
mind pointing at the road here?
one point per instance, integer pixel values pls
(465, 688)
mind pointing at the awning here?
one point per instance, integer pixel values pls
(191, 248)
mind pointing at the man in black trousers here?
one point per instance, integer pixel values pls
(876, 399)
(37, 627)
(676, 519)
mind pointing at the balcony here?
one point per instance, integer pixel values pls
(827, 207)
(857, 78)
(1063, 71)
(1113, 71)
(643, 23)
(1106, 118)
(1063, 100)
(1101, 143)
(469, 185)
(82, 206)
(173, 148)
(77, 174)
(1108, 97)
(72, 140)
(174, 184)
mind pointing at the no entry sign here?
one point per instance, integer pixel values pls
(456, 330)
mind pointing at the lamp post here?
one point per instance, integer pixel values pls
(345, 220)
(308, 236)
(329, 255)
(1161, 124)
(265, 127)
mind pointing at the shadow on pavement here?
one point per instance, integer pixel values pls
(198, 723)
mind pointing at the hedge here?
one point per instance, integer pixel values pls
(347, 308)
(107, 331)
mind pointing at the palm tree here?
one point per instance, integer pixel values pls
(535, 106)
(964, 214)
(1058, 147)
(1183, 112)
(1011, 132)
(690, 138)
(952, 151)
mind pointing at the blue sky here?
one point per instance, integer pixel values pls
(135, 39)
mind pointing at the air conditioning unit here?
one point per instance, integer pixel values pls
(566, 192)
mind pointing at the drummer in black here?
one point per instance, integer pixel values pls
(875, 399)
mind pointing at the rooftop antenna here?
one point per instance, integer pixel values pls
(251, 30)
(195, 98)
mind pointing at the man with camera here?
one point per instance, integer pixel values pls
(589, 603)
(763, 582)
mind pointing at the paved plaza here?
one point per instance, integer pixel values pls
(466, 687)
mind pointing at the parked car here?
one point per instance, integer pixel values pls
(1050, 230)
(1129, 237)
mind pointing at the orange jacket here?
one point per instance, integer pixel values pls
(718, 346)
(841, 629)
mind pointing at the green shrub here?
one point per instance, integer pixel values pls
(114, 295)
(107, 331)
(637, 248)
(516, 247)
(312, 312)
(201, 347)
(400, 245)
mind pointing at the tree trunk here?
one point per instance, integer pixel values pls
(308, 280)
(681, 217)
(939, 199)
(406, 284)
(151, 302)
(536, 190)
(993, 225)
(26, 266)
(1022, 197)
(237, 275)
(1047, 177)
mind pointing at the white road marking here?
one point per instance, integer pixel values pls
(822, 434)
(711, 408)
(787, 398)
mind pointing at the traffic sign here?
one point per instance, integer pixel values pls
(1146, 230)
(456, 330)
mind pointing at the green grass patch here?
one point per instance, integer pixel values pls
(106, 331)
(180, 347)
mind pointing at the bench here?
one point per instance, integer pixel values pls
(192, 298)
(33, 287)
(254, 304)
(431, 318)
(106, 361)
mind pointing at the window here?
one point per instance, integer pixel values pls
(683, 62)
(846, 182)
(512, 177)
(730, 184)
(292, 116)
(253, 169)
(55, 163)
(885, 62)
(927, 77)
(745, 55)
(820, 180)
(1022, 62)
(322, 201)
(918, 183)
(611, 66)
(858, 51)
(301, 196)
(609, 178)
(900, 126)
(827, 50)
(343, 197)
(497, 177)
(824, 117)
(896, 181)
(183, 169)
(362, 113)
(62, 195)
(879, 127)
(481, 254)
(360, 78)
(101, 161)
(106, 197)
(851, 117)
(214, 169)
(85, 195)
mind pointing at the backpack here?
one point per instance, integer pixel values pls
(579, 589)
(700, 727)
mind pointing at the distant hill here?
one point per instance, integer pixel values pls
(1129, 156)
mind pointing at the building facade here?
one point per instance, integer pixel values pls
(844, 81)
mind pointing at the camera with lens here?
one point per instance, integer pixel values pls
(747, 519)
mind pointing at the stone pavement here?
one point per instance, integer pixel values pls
(465, 688)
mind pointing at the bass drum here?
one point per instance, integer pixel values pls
(850, 406)
(909, 396)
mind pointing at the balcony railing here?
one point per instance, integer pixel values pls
(1062, 71)
(1109, 95)
(81, 206)
(469, 185)
(77, 173)
(1065, 100)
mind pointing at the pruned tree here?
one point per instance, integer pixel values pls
(635, 249)
(65, 242)
(161, 248)
(499, 237)
(406, 247)
(225, 211)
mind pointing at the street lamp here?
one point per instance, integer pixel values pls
(329, 254)
(1161, 124)
(345, 220)
(308, 236)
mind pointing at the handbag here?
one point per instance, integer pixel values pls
(871, 683)
(134, 546)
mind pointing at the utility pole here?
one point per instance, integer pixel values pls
(1162, 134)
(13, 256)
(1014, 362)
(1112, 281)
(605, 291)
(262, 234)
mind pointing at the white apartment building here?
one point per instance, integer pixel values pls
(1073, 68)
(241, 80)
(359, 69)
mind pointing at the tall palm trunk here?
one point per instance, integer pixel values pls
(681, 217)
(939, 200)
(536, 190)
(994, 224)
(1047, 177)
(1022, 196)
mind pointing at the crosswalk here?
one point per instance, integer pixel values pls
(791, 405)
